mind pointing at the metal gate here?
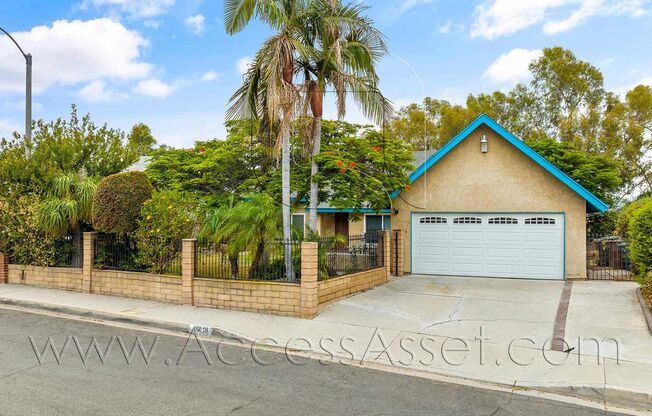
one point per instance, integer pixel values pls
(607, 258)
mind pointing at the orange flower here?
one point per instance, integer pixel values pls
(343, 170)
(376, 148)
(339, 163)
(408, 187)
(352, 165)
(202, 149)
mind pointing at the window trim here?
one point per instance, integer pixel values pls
(502, 220)
(440, 220)
(303, 214)
(543, 221)
(474, 220)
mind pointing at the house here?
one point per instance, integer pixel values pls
(484, 205)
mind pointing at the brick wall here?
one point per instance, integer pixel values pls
(53, 277)
(336, 288)
(136, 285)
(246, 295)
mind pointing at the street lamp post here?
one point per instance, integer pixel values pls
(28, 96)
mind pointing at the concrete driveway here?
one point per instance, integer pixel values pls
(505, 310)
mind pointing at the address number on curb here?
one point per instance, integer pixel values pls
(201, 330)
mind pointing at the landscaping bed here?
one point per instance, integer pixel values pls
(645, 298)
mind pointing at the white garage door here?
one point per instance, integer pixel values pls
(493, 245)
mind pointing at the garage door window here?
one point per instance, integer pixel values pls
(503, 220)
(467, 220)
(540, 221)
(433, 220)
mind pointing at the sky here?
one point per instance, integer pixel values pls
(170, 64)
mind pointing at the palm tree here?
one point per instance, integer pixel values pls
(345, 48)
(249, 225)
(268, 90)
(67, 205)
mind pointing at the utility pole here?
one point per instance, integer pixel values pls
(28, 96)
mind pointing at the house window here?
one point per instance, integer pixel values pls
(467, 220)
(376, 222)
(540, 221)
(503, 220)
(298, 223)
(433, 220)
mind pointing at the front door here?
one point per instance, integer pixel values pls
(342, 223)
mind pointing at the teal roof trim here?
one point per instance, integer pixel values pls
(352, 210)
(594, 203)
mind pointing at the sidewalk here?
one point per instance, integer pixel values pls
(623, 384)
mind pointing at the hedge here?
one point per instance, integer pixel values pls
(640, 235)
(119, 200)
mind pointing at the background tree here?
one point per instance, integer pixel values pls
(140, 140)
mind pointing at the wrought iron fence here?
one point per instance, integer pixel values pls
(159, 255)
(357, 253)
(607, 258)
(68, 252)
(257, 262)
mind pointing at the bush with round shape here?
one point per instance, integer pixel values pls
(626, 214)
(640, 236)
(118, 201)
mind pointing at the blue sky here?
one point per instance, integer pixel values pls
(168, 63)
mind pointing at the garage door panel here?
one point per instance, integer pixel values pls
(502, 248)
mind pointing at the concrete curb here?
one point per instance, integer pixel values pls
(646, 310)
(105, 316)
(603, 396)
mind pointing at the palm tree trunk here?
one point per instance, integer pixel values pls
(314, 170)
(285, 185)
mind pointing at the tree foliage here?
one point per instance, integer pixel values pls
(60, 147)
(118, 201)
(566, 101)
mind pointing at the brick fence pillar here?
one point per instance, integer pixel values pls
(188, 269)
(87, 262)
(4, 268)
(397, 252)
(383, 245)
(309, 275)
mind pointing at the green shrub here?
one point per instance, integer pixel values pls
(118, 201)
(167, 218)
(640, 235)
(626, 214)
(20, 235)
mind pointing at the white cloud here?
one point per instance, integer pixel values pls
(210, 76)
(243, 65)
(196, 23)
(7, 127)
(495, 18)
(71, 52)
(135, 8)
(394, 9)
(511, 67)
(97, 92)
(153, 87)
(446, 28)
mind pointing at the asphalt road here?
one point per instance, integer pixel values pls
(174, 383)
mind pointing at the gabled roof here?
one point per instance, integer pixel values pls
(594, 204)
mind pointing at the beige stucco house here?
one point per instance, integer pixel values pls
(484, 205)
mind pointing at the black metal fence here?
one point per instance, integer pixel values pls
(357, 253)
(159, 255)
(607, 258)
(256, 262)
(68, 252)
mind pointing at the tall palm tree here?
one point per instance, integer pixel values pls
(67, 205)
(345, 48)
(268, 89)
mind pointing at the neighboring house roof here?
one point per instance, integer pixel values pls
(140, 164)
(594, 204)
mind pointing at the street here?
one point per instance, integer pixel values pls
(180, 379)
